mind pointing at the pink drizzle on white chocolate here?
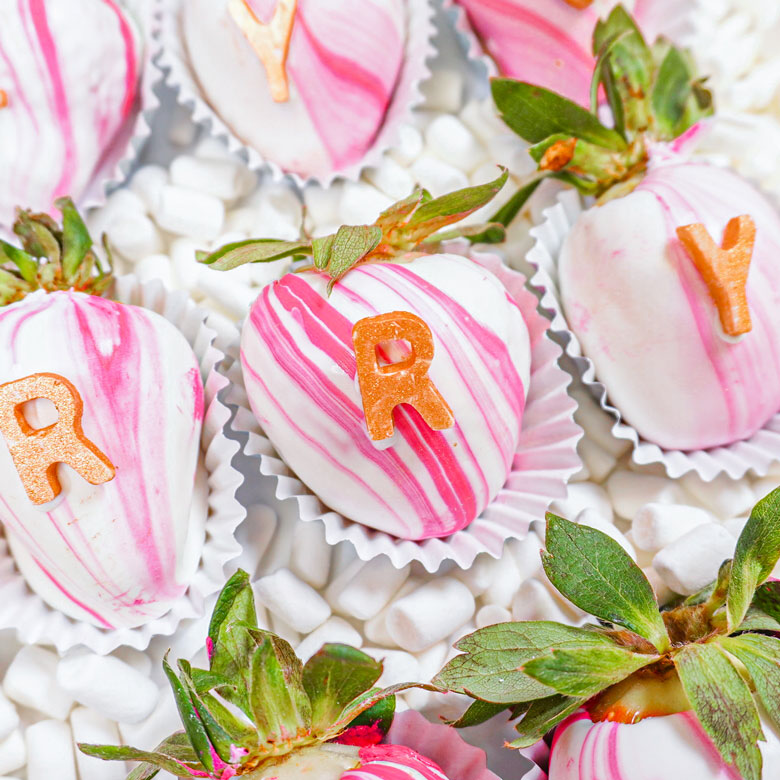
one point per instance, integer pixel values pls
(112, 554)
(69, 92)
(299, 369)
(393, 762)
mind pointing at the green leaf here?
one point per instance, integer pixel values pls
(334, 677)
(370, 699)
(761, 657)
(544, 715)
(513, 206)
(380, 716)
(535, 113)
(671, 91)
(280, 706)
(453, 207)
(27, 266)
(76, 241)
(596, 574)
(477, 713)
(758, 550)
(193, 725)
(767, 600)
(322, 248)
(756, 620)
(490, 669)
(723, 704)
(121, 753)
(586, 671)
(254, 250)
(350, 245)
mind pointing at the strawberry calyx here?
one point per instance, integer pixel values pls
(51, 257)
(715, 654)
(258, 711)
(413, 226)
(653, 93)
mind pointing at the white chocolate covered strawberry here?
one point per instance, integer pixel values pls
(69, 75)
(686, 691)
(428, 475)
(322, 720)
(307, 83)
(669, 281)
(114, 549)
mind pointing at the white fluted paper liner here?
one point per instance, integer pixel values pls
(468, 39)
(442, 744)
(35, 621)
(407, 94)
(124, 151)
(758, 453)
(545, 459)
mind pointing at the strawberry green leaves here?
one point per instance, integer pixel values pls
(406, 226)
(595, 573)
(51, 257)
(723, 704)
(758, 550)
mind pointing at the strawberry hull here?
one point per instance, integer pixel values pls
(118, 554)
(672, 746)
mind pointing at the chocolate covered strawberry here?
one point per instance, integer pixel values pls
(688, 691)
(670, 280)
(101, 405)
(391, 377)
(323, 720)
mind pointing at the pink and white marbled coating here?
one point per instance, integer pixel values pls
(393, 762)
(672, 746)
(644, 316)
(116, 555)
(344, 61)
(299, 369)
(70, 72)
(549, 42)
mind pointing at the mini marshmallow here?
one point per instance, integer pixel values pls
(371, 588)
(110, 686)
(156, 267)
(410, 145)
(31, 680)
(361, 204)
(663, 593)
(450, 140)
(9, 717)
(211, 148)
(310, 559)
(431, 661)
(430, 613)
(437, 176)
(222, 178)
(147, 735)
(95, 729)
(693, 560)
(592, 519)
(598, 461)
(508, 150)
(630, 491)
(506, 581)
(293, 600)
(184, 262)
(398, 666)
(50, 751)
(283, 629)
(736, 525)
(243, 219)
(235, 297)
(147, 184)
(762, 487)
(335, 629)
(141, 662)
(255, 536)
(391, 178)
(491, 614)
(443, 91)
(533, 601)
(480, 117)
(723, 496)
(583, 496)
(322, 205)
(375, 629)
(191, 213)
(526, 553)
(341, 577)
(278, 196)
(13, 752)
(134, 236)
(479, 575)
(657, 525)
(597, 423)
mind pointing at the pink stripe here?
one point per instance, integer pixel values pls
(131, 69)
(60, 99)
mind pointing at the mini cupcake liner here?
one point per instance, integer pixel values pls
(407, 95)
(468, 39)
(545, 459)
(121, 157)
(758, 453)
(38, 623)
(442, 744)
